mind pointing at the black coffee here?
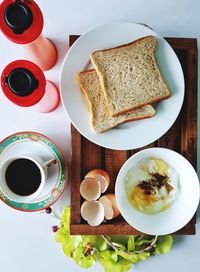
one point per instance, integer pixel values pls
(23, 177)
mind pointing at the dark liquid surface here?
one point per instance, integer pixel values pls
(23, 177)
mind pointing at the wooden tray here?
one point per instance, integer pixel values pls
(182, 137)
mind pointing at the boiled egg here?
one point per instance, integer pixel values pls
(152, 186)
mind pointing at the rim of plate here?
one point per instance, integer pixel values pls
(81, 131)
(118, 189)
(64, 166)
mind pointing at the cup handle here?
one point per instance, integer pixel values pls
(51, 163)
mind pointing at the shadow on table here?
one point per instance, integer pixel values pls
(198, 215)
(178, 239)
(62, 48)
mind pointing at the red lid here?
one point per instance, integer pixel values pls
(21, 21)
(23, 83)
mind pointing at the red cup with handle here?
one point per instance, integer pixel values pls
(24, 84)
(21, 21)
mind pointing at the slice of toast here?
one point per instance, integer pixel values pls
(101, 119)
(129, 75)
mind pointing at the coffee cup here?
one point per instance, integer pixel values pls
(22, 178)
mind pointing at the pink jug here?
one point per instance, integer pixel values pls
(24, 84)
(21, 21)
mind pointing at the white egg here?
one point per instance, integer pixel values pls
(151, 166)
(135, 176)
(174, 182)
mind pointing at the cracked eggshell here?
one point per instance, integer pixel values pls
(102, 176)
(92, 212)
(90, 189)
(82, 207)
(109, 203)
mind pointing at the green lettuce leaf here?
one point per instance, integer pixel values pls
(115, 253)
(144, 240)
(60, 236)
(122, 239)
(164, 244)
(97, 241)
(131, 243)
(119, 245)
(70, 244)
(134, 258)
(110, 263)
(81, 259)
(110, 254)
(66, 219)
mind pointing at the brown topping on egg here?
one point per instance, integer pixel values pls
(156, 182)
(168, 187)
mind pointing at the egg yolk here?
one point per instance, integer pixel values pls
(140, 200)
(161, 167)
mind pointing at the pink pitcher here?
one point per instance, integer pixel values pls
(24, 84)
(21, 21)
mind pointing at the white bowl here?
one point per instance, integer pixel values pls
(180, 212)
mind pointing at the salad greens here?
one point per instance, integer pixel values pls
(115, 253)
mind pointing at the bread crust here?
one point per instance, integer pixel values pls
(85, 72)
(123, 45)
(130, 120)
(142, 105)
(91, 105)
(83, 90)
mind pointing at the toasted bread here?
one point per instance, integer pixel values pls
(129, 75)
(101, 119)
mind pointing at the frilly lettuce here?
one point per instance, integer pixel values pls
(115, 253)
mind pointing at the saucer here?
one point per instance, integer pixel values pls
(39, 145)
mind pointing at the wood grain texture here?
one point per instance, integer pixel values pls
(181, 137)
(182, 43)
(90, 156)
(114, 159)
(75, 177)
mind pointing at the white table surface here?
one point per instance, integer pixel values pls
(26, 240)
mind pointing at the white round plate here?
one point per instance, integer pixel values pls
(133, 134)
(180, 212)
